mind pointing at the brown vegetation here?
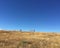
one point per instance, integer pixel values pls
(16, 39)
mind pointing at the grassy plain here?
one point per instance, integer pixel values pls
(17, 39)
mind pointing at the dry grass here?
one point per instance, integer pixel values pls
(16, 39)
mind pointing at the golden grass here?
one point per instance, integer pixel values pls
(16, 39)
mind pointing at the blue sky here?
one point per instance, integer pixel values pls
(41, 15)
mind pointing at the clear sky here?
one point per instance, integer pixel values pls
(41, 15)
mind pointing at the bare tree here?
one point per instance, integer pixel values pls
(20, 30)
(32, 30)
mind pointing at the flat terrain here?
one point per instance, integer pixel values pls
(16, 39)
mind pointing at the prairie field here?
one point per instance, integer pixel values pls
(17, 39)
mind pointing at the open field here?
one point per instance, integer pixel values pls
(16, 39)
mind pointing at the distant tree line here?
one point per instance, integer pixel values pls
(33, 30)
